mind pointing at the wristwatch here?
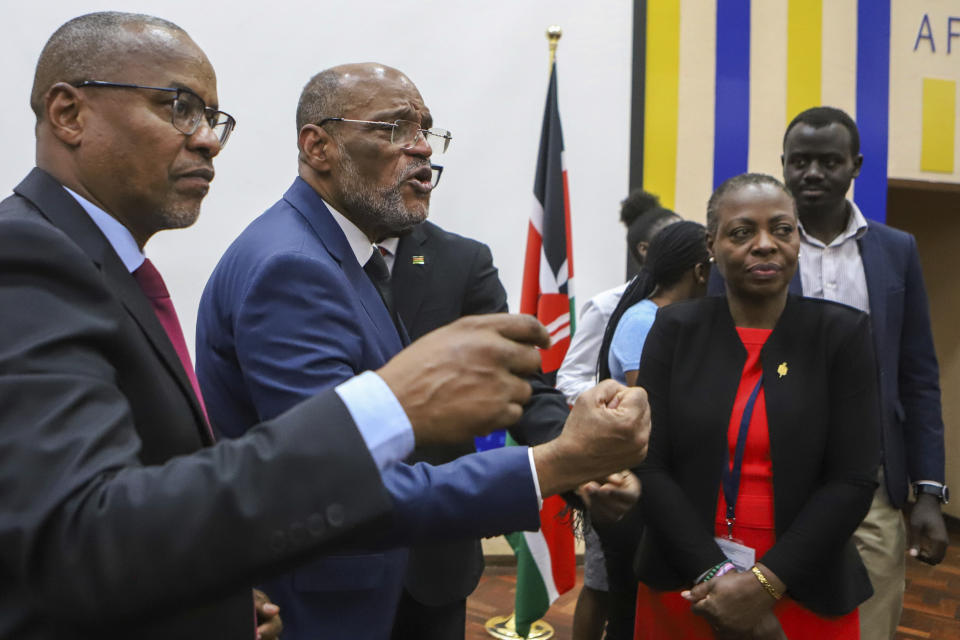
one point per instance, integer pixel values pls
(933, 488)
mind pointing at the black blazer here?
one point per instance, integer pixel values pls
(456, 277)
(823, 417)
(113, 522)
(909, 378)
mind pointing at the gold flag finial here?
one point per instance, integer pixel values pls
(554, 32)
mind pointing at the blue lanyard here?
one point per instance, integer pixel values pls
(731, 477)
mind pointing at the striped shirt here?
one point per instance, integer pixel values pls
(835, 271)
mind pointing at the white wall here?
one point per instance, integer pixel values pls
(481, 67)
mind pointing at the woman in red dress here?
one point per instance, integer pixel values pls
(764, 445)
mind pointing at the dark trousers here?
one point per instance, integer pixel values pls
(620, 541)
(416, 620)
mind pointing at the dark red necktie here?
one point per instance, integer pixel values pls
(153, 287)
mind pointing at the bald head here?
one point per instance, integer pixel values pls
(332, 91)
(94, 46)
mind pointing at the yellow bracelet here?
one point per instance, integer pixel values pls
(776, 595)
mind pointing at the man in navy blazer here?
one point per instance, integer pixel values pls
(873, 267)
(290, 310)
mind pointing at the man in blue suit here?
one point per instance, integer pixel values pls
(298, 303)
(875, 268)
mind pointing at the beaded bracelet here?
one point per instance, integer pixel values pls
(715, 571)
(726, 568)
(776, 595)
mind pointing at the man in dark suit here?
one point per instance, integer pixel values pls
(300, 302)
(437, 277)
(119, 517)
(875, 268)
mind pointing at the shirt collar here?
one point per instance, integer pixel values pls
(856, 227)
(390, 244)
(359, 242)
(117, 235)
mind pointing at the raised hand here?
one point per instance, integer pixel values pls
(467, 378)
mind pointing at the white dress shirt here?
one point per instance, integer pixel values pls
(362, 249)
(388, 247)
(835, 271)
(578, 372)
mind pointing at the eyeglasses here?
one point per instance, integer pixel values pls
(405, 133)
(436, 171)
(189, 109)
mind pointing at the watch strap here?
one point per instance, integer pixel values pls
(932, 488)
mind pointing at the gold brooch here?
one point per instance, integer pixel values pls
(782, 369)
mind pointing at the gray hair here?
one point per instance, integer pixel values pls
(320, 98)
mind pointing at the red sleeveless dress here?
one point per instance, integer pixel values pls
(664, 615)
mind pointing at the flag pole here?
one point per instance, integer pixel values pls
(504, 627)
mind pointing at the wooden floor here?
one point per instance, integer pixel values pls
(931, 605)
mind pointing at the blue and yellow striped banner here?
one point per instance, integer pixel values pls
(661, 108)
(873, 105)
(731, 138)
(769, 60)
(804, 55)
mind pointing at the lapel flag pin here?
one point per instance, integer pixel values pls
(417, 260)
(782, 369)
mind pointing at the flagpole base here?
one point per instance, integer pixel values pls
(503, 627)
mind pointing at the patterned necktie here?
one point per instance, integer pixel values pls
(379, 274)
(153, 287)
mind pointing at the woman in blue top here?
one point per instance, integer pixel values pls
(676, 269)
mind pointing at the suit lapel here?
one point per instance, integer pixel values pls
(716, 336)
(731, 354)
(874, 268)
(310, 205)
(139, 307)
(66, 213)
(409, 278)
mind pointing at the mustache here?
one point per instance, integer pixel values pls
(412, 170)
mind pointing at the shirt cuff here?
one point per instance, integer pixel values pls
(381, 420)
(536, 480)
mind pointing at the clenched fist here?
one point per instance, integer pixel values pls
(607, 431)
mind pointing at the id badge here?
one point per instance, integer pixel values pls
(740, 555)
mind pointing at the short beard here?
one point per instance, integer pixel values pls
(377, 210)
(178, 217)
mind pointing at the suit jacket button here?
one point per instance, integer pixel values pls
(316, 525)
(335, 515)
